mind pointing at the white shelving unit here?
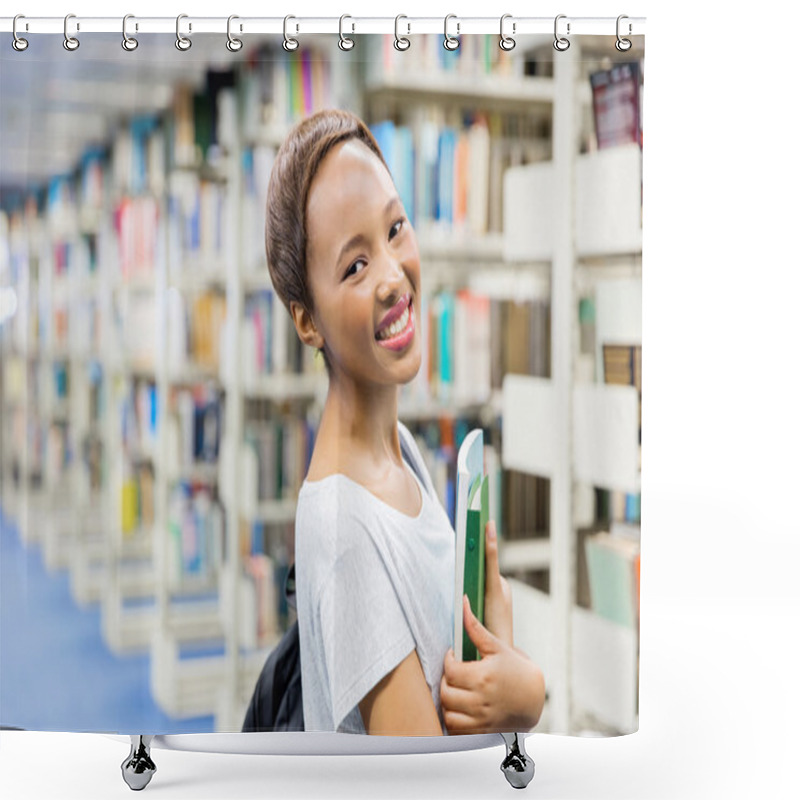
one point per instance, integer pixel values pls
(584, 216)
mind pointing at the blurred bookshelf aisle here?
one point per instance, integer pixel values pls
(159, 411)
(56, 649)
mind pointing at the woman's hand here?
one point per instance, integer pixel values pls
(497, 598)
(501, 693)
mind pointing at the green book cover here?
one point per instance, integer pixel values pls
(475, 557)
(612, 586)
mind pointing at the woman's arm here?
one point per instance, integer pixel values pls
(400, 704)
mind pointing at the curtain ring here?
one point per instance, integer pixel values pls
(289, 43)
(233, 44)
(70, 42)
(450, 42)
(561, 43)
(506, 42)
(344, 42)
(182, 42)
(19, 44)
(401, 43)
(128, 42)
(623, 45)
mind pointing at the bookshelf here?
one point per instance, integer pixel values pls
(201, 406)
(585, 218)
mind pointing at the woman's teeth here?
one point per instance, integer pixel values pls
(396, 326)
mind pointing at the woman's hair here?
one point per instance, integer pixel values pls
(294, 169)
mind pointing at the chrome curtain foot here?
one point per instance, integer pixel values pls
(517, 766)
(138, 768)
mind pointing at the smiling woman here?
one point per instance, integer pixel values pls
(374, 547)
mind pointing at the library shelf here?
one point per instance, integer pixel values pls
(410, 408)
(531, 552)
(136, 544)
(448, 245)
(199, 277)
(197, 472)
(285, 386)
(602, 662)
(595, 252)
(472, 90)
(190, 373)
(183, 687)
(196, 620)
(256, 280)
(271, 511)
(137, 282)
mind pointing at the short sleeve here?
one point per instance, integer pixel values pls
(365, 633)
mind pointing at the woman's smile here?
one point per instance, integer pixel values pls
(400, 333)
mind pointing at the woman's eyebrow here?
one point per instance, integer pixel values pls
(360, 238)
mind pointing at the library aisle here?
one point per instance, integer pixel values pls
(56, 648)
(159, 411)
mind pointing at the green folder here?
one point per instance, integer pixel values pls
(475, 557)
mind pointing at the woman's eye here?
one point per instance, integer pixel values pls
(353, 265)
(396, 228)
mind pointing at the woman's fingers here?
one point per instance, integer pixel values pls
(485, 641)
(456, 673)
(497, 607)
(454, 698)
(456, 722)
(492, 562)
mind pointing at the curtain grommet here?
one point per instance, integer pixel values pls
(451, 42)
(19, 44)
(182, 42)
(70, 42)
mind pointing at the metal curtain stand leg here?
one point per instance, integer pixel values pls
(138, 768)
(517, 766)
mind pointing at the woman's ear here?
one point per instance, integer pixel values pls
(304, 325)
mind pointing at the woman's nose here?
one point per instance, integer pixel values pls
(392, 277)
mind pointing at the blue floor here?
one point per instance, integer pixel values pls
(56, 673)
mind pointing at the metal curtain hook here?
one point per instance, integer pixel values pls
(450, 42)
(70, 42)
(19, 44)
(623, 45)
(561, 43)
(506, 42)
(401, 42)
(344, 42)
(128, 42)
(289, 43)
(233, 44)
(182, 42)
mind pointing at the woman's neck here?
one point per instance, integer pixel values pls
(362, 419)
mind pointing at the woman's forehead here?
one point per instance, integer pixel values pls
(346, 170)
(351, 180)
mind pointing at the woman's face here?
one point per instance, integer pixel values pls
(363, 268)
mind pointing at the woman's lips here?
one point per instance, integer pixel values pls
(402, 339)
(394, 313)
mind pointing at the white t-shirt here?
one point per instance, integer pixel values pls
(373, 584)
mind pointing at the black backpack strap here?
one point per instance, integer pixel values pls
(290, 588)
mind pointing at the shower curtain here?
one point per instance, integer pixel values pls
(160, 409)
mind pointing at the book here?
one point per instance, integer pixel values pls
(475, 558)
(612, 562)
(471, 515)
(616, 106)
